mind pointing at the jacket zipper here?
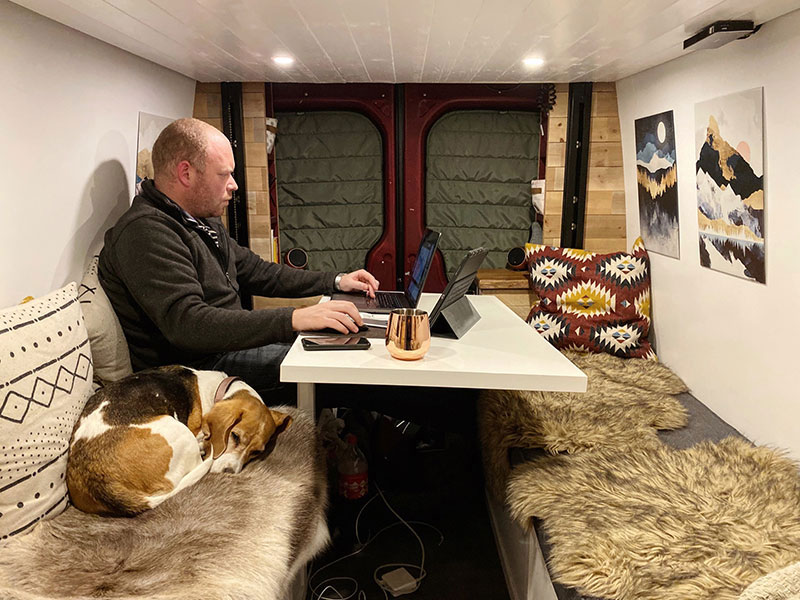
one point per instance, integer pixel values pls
(221, 258)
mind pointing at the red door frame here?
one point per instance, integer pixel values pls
(424, 105)
(376, 102)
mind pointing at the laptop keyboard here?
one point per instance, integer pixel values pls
(390, 301)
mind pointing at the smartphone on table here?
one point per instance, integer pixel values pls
(335, 342)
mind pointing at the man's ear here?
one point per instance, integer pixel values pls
(281, 419)
(185, 173)
(219, 422)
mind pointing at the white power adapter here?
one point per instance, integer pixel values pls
(399, 582)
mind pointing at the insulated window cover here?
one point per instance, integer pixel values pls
(478, 183)
(330, 187)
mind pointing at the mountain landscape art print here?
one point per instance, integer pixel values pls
(657, 183)
(729, 141)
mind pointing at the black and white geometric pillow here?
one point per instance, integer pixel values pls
(45, 380)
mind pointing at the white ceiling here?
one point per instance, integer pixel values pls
(400, 41)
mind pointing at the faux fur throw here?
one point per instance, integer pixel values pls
(238, 536)
(626, 402)
(655, 523)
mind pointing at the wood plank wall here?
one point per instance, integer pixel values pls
(208, 108)
(255, 150)
(605, 195)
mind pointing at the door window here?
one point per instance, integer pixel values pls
(330, 187)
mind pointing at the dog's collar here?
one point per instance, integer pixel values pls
(223, 387)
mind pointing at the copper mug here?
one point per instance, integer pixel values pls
(408, 334)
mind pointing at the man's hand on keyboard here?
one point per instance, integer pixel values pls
(337, 314)
(359, 281)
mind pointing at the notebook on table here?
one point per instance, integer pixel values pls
(386, 302)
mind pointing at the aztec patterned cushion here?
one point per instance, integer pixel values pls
(45, 379)
(592, 302)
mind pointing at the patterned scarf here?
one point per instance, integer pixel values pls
(197, 224)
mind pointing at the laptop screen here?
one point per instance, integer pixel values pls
(419, 273)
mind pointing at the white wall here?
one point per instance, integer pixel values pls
(69, 110)
(733, 341)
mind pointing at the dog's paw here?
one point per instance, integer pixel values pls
(204, 444)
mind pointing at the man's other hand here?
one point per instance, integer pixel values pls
(337, 314)
(359, 281)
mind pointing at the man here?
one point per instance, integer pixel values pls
(175, 277)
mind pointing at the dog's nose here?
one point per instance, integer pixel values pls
(229, 470)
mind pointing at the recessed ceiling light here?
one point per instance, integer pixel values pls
(533, 62)
(283, 60)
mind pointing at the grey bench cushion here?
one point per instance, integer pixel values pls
(703, 425)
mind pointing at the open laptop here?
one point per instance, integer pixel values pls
(459, 284)
(386, 302)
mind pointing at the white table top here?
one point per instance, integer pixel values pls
(501, 351)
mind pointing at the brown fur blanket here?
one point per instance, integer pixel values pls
(239, 536)
(655, 523)
(625, 403)
(628, 517)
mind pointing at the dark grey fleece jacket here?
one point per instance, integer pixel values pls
(177, 295)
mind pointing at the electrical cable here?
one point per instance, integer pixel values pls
(330, 587)
(319, 591)
(358, 516)
(326, 583)
(422, 573)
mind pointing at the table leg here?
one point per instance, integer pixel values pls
(305, 398)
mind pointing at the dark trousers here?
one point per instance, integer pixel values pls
(260, 368)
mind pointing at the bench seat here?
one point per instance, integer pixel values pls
(525, 555)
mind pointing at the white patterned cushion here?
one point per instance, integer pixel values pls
(45, 379)
(110, 355)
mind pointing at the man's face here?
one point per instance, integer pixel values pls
(214, 187)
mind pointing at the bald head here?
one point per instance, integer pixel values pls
(184, 139)
(193, 165)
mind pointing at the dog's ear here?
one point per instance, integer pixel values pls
(219, 422)
(282, 420)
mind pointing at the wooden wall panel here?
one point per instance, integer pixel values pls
(605, 154)
(254, 111)
(605, 186)
(602, 202)
(208, 103)
(208, 108)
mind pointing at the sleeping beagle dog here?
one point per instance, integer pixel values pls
(144, 438)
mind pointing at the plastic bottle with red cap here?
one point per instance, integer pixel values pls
(353, 471)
